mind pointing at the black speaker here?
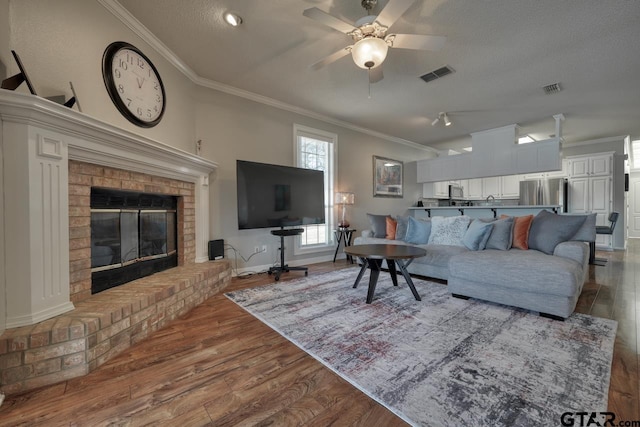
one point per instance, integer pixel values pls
(216, 249)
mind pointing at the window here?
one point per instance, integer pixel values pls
(315, 149)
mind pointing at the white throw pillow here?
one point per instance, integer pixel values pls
(448, 230)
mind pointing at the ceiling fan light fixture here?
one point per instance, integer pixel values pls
(232, 19)
(369, 52)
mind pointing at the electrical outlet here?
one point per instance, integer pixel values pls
(264, 248)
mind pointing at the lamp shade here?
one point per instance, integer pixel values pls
(369, 52)
(343, 198)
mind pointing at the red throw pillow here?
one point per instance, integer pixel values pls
(521, 226)
(391, 228)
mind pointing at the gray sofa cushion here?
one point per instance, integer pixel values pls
(530, 271)
(378, 225)
(549, 229)
(502, 234)
(401, 228)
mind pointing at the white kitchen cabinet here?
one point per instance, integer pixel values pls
(473, 191)
(590, 165)
(491, 187)
(591, 191)
(435, 190)
(510, 188)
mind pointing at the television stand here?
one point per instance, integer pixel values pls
(284, 268)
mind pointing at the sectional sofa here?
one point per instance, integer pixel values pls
(537, 263)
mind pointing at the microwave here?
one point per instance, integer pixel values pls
(456, 192)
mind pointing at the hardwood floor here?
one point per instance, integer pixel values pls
(219, 366)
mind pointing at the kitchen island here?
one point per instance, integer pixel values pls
(490, 210)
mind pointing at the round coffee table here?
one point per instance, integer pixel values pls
(372, 257)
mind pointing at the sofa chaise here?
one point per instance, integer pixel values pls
(537, 263)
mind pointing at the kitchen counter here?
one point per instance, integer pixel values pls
(482, 211)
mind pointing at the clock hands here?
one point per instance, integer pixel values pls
(140, 82)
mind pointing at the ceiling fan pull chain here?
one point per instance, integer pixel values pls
(369, 82)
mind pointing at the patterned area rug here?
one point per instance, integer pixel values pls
(442, 361)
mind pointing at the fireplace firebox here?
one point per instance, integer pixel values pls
(133, 235)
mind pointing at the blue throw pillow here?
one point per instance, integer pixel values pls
(401, 228)
(476, 236)
(418, 231)
(378, 225)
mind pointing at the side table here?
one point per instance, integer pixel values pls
(343, 235)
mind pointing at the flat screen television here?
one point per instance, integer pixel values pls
(278, 196)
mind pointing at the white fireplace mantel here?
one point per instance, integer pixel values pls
(37, 139)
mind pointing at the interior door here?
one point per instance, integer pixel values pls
(634, 205)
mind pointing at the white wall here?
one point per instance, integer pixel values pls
(233, 128)
(63, 40)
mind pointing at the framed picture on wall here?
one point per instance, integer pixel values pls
(387, 177)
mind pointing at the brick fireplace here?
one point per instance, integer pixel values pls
(82, 177)
(51, 327)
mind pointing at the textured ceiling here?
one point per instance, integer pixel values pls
(503, 52)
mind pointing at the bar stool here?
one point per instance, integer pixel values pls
(604, 229)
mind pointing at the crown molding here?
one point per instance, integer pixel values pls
(145, 34)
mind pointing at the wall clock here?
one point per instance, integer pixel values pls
(134, 84)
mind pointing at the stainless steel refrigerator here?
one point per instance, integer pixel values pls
(552, 191)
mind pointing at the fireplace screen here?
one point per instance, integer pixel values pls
(130, 243)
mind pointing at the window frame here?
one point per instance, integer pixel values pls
(330, 180)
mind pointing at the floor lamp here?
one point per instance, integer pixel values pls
(344, 199)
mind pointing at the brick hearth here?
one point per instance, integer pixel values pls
(104, 325)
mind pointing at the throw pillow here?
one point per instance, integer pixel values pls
(418, 231)
(448, 230)
(475, 238)
(521, 226)
(378, 224)
(401, 228)
(501, 236)
(391, 228)
(549, 229)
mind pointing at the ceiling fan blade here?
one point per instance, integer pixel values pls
(393, 11)
(328, 20)
(375, 74)
(419, 42)
(331, 58)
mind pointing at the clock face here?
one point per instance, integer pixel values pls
(134, 84)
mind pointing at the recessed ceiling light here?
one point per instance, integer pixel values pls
(232, 19)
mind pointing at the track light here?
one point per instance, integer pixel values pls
(442, 116)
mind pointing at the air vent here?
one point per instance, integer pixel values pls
(552, 88)
(436, 74)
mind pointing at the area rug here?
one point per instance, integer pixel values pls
(442, 361)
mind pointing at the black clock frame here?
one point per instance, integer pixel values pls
(112, 90)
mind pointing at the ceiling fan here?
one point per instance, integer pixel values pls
(371, 37)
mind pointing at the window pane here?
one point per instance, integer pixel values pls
(315, 154)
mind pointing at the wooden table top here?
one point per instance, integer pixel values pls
(383, 251)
